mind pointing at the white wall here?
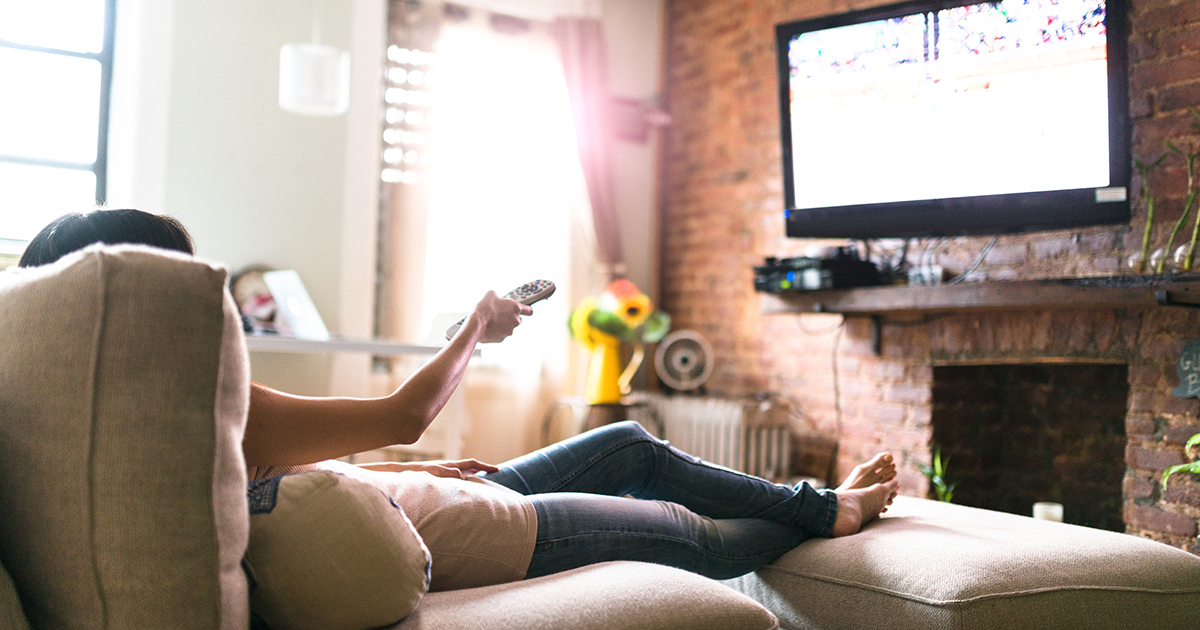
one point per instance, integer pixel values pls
(633, 30)
(256, 184)
(198, 134)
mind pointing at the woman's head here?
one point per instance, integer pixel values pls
(77, 230)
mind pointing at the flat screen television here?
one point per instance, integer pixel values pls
(939, 118)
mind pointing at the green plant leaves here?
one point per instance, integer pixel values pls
(1190, 467)
(937, 476)
(1145, 168)
(655, 327)
(608, 323)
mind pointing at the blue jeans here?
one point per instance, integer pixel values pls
(685, 512)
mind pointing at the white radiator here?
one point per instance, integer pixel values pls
(736, 434)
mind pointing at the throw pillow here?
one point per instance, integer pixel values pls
(331, 552)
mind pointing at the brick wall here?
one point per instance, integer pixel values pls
(722, 202)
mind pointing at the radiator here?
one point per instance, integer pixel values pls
(736, 434)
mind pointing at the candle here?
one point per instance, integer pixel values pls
(1048, 511)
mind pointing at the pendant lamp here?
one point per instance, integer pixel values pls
(314, 79)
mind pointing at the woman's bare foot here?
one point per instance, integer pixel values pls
(878, 469)
(859, 506)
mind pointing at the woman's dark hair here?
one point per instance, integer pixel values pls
(77, 230)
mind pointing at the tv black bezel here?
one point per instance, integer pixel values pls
(963, 216)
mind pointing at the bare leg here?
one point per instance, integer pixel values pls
(859, 506)
(878, 469)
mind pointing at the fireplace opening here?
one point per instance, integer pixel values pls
(1019, 434)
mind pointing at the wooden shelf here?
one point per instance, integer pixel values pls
(1070, 293)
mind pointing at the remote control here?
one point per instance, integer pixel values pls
(526, 294)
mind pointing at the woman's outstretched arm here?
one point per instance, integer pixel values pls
(286, 430)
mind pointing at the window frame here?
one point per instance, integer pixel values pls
(99, 167)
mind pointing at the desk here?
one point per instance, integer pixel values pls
(585, 416)
(374, 347)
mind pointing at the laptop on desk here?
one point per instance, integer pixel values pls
(293, 306)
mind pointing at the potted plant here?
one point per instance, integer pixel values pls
(1190, 467)
(936, 473)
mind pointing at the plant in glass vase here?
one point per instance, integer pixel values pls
(1190, 157)
(1143, 169)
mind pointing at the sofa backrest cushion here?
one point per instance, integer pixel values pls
(124, 387)
(331, 552)
(11, 617)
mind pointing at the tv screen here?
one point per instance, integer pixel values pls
(933, 118)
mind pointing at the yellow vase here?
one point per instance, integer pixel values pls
(604, 373)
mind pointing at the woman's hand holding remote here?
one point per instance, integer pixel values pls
(498, 317)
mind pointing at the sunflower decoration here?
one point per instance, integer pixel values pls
(622, 314)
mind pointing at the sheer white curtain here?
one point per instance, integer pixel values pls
(507, 204)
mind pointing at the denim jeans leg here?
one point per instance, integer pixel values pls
(576, 529)
(623, 459)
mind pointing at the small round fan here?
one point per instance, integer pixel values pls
(683, 360)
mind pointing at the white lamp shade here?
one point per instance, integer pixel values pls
(314, 80)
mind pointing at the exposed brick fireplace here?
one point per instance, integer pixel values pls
(1115, 365)
(722, 197)
(1014, 435)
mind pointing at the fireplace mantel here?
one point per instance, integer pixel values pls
(1066, 293)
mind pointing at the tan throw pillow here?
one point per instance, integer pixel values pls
(124, 386)
(330, 552)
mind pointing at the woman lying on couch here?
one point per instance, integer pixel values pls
(614, 493)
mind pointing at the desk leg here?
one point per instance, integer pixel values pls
(600, 415)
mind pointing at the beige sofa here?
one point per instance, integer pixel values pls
(123, 393)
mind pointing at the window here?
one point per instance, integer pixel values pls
(55, 70)
(481, 188)
(478, 120)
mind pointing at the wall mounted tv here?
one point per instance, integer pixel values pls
(939, 118)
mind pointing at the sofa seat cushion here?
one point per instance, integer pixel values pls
(124, 387)
(927, 564)
(617, 595)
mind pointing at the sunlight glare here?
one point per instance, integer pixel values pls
(34, 196)
(505, 177)
(55, 120)
(75, 25)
